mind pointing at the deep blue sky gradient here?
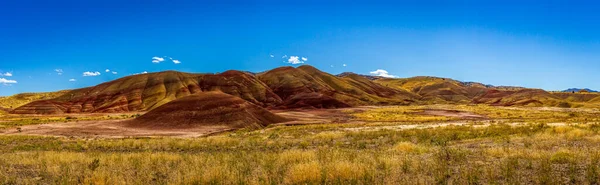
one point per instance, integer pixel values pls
(552, 45)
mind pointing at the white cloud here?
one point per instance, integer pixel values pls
(284, 56)
(271, 56)
(176, 61)
(344, 65)
(6, 82)
(382, 73)
(157, 59)
(59, 71)
(304, 59)
(295, 60)
(6, 74)
(140, 73)
(107, 70)
(114, 72)
(87, 73)
(72, 80)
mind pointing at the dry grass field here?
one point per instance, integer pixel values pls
(434, 144)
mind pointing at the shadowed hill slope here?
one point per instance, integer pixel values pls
(207, 109)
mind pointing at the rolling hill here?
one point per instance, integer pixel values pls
(9, 102)
(146, 91)
(307, 86)
(207, 109)
(289, 87)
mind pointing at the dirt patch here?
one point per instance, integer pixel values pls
(451, 113)
(107, 129)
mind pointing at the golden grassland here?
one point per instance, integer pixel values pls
(532, 153)
(521, 114)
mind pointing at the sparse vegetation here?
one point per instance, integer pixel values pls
(534, 152)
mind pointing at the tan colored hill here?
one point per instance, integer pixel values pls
(147, 91)
(207, 109)
(17, 100)
(523, 97)
(436, 90)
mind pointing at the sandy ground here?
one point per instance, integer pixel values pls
(107, 129)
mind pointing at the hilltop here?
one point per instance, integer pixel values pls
(290, 87)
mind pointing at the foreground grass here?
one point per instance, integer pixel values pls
(499, 154)
(520, 114)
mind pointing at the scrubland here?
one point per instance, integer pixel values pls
(537, 151)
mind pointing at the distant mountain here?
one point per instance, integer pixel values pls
(579, 90)
(345, 74)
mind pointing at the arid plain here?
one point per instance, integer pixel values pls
(299, 126)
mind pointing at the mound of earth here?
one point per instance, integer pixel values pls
(145, 92)
(207, 109)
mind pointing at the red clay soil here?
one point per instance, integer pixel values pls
(207, 109)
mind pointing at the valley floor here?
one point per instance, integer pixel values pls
(432, 144)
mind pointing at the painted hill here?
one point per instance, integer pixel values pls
(207, 109)
(437, 90)
(147, 91)
(289, 87)
(307, 86)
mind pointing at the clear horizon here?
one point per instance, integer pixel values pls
(68, 44)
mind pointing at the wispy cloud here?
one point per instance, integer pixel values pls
(304, 59)
(107, 70)
(88, 73)
(6, 74)
(344, 65)
(114, 72)
(72, 80)
(382, 73)
(272, 56)
(284, 56)
(157, 60)
(295, 60)
(58, 71)
(7, 82)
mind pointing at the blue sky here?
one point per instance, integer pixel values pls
(552, 45)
